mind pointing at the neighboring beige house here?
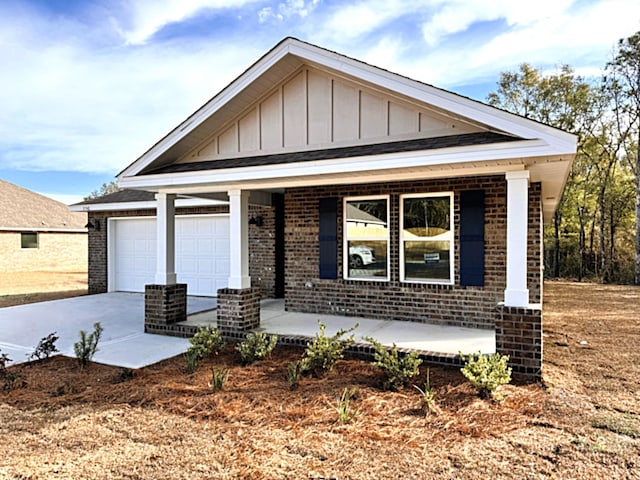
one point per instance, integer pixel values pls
(39, 234)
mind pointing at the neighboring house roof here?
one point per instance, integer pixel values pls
(360, 216)
(24, 210)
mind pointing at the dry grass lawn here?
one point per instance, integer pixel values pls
(17, 288)
(158, 422)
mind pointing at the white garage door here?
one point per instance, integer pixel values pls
(202, 253)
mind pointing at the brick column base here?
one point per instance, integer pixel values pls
(519, 335)
(238, 310)
(164, 305)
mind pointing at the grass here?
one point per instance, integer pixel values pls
(581, 423)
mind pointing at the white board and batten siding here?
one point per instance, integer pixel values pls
(314, 109)
(202, 253)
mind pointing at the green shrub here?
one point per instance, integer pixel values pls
(10, 380)
(46, 346)
(86, 348)
(218, 378)
(294, 369)
(323, 352)
(191, 360)
(206, 342)
(398, 369)
(427, 397)
(486, 372)
(256, 347)
(4, 360)
(345, 411)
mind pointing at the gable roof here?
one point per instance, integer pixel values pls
(287, 56)
(22, 209)
(492, 141)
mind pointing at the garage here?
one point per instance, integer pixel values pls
(202, 253)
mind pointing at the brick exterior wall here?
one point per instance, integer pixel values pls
(261, 245)
(164, 305)
(395, 300)
(56, 252)
(238, 310)
(519, 335)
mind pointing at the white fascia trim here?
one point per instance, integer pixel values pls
(180, 203)
(445, 156)
(43, 230)
(464, 107)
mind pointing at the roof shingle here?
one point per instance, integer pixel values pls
(23, 209)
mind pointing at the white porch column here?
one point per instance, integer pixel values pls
(239, 239)
(516, 293)
(166, 239)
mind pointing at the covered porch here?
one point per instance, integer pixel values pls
(437, 343)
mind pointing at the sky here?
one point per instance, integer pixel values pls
(87, 86)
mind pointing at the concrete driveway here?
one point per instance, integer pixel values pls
(123, 342)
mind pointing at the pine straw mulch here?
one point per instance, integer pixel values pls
(158, 422)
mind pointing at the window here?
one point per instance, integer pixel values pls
(426, 238)
(366, 241)
(29, 240)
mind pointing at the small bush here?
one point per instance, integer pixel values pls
(398, 370)
(218, 378)
(345, 411)
(256, 346)
(323, 352)
(486, 372)
(427, 397)
(46, 347)
(10, 380)
(4, 360)
(206, 342)
(192, 360)
(294, 369)
(86, 348)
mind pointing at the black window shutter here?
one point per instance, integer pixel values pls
(328, 235)
(472, 238)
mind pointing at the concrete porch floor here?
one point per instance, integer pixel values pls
(406, 335)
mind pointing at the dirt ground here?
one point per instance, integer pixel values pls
(18, 288)
(159, 422)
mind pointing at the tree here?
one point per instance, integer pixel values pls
(105, 189)
(624, 78)
(564, 101)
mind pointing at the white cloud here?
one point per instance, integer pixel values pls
(143, 18)
(287, 9)
(455, 16)
(68, 105)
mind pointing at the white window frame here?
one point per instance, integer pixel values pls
(451, 239)
(345, 239)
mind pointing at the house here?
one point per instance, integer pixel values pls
(39, 234)
(311, 159)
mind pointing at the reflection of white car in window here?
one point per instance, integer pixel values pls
(360, 256)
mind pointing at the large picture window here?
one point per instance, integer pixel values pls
(366, 239)
(426, 238)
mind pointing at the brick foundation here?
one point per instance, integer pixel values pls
(519, 335)
(164, 305)
(238, 310)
